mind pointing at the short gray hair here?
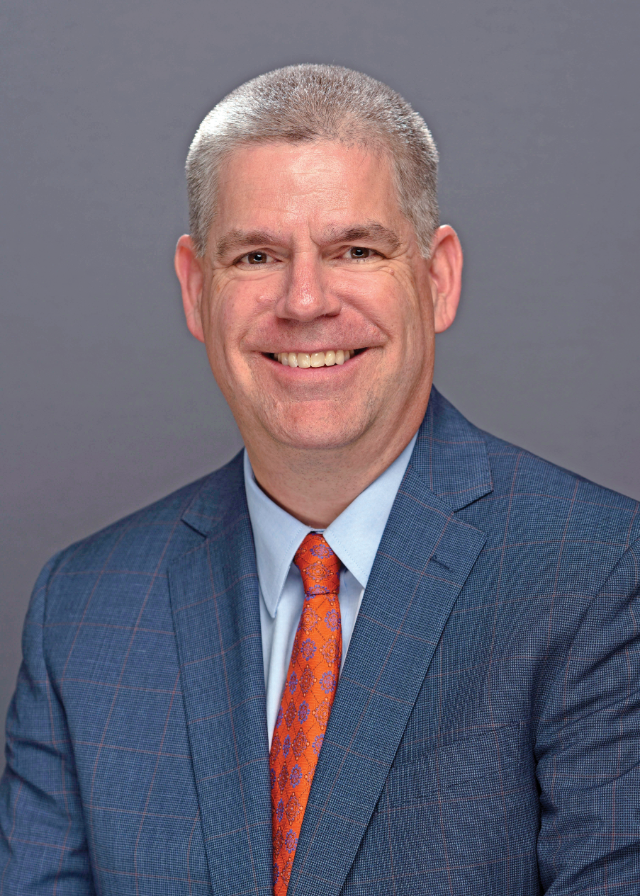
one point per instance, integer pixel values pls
(309, 103)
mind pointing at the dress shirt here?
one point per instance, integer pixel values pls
(354, 536)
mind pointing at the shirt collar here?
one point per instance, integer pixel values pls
(354, 535)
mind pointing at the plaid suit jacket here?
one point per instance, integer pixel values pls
(485, 735)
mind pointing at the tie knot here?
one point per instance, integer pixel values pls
(319, 566)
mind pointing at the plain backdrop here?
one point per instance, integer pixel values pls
(108, 403)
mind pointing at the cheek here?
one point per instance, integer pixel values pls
(402, 314)
(414, 309)
(235, 306)
(373, 299)
(224, 319)
(232, 314)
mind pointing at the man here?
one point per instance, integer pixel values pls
(379, 652)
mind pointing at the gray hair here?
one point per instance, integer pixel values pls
(316, 102)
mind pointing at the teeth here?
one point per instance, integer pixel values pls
(314, 359)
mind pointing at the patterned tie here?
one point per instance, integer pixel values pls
(306, 701)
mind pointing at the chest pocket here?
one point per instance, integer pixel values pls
(463, 814)
(474, 768)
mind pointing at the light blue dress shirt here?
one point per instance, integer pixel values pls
(354, 536)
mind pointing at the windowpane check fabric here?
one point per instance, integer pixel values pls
(483, 740)
(306, 703)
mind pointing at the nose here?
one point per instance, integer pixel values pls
(306, 295)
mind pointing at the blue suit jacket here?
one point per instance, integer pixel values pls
(485, 736)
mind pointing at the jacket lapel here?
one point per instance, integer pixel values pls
(215, 605)
(423, 561)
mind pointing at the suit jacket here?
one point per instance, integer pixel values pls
(485, 735)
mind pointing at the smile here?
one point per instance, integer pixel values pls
(314, 359)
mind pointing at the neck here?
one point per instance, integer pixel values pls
(315, 486)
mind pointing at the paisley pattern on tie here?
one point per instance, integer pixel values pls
(307, 699)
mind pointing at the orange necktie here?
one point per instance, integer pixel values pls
(307, 699)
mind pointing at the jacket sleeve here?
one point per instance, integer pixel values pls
(588, 746)
(43, 844)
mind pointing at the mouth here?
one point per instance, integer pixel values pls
(315, 359)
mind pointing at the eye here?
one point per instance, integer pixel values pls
(360, 253)
(258, 257)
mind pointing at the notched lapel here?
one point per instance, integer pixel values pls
(423, 561)
(214, 595)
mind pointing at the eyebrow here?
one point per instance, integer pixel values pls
(372, 230)
(240, 239)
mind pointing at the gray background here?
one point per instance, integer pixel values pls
(108, 403)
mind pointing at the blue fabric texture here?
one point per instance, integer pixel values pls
(485, 735)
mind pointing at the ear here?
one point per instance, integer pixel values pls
(445, 274)
(189, 268)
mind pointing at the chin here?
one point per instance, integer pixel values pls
(317, 434)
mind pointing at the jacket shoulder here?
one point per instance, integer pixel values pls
(145, 542)
(542, 491)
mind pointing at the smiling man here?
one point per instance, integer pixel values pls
(381, 651)
(318, 310)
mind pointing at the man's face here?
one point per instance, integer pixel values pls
(310, 257)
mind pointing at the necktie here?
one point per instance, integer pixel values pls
(307, 699)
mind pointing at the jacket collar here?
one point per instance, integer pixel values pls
(214, 597)
(450, 457)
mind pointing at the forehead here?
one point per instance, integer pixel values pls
(323, 183)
